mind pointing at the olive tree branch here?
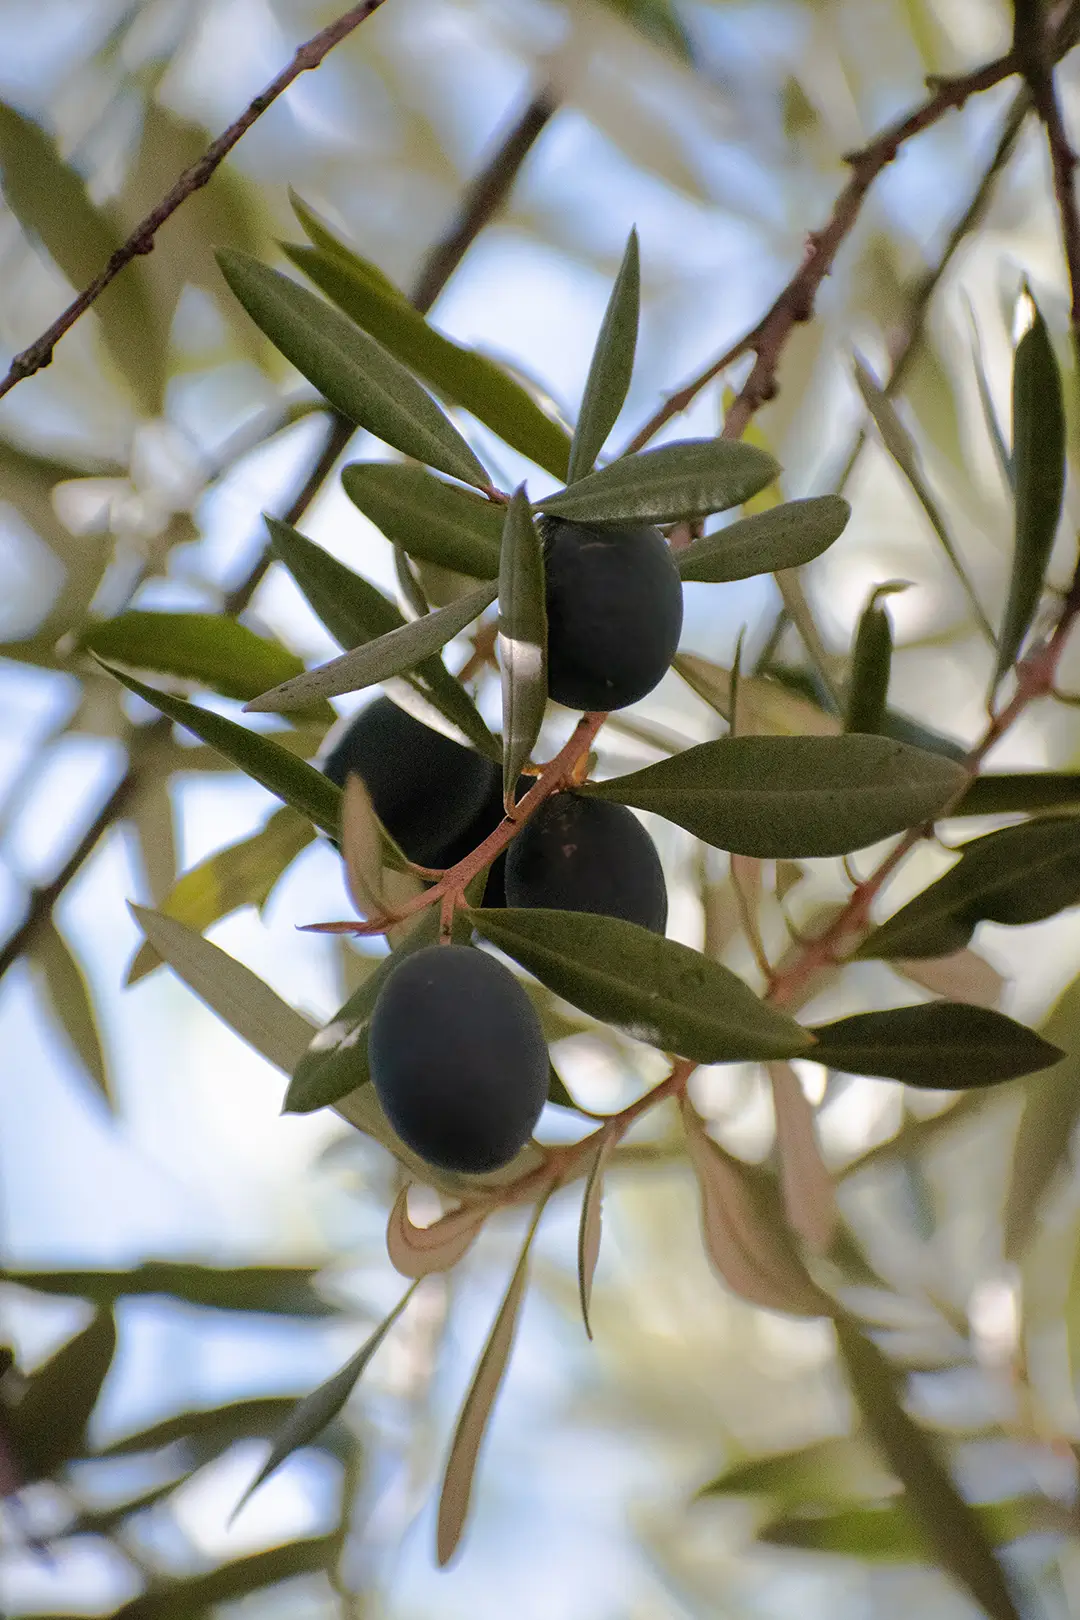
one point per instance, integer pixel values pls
(141, 240)
(1033, 45)
(451, 885)
(485, 196)
(794, 305)
(1035, 678)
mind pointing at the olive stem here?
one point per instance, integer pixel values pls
(556, 774)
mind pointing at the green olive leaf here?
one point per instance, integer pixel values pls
(871, 664)
(217, 652)
(353, 372)
(951, 1527)
(457, 374)
(651, 988)
(786, 536)
(791, 797)
(401, 651)
(310, 1416)
(241, 874)
(47, 1427)
(1014, 876)
(689, 479)
(522, 638)
(1005, 793)
(258, 756)
(901, 447)
(239, 997)
(611, 367)
(433, 521)
(1038, 462)
(937, 1045)
(354, 613)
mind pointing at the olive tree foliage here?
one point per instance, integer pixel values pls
(832, 1073)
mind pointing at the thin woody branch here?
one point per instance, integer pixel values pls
(142, 238)
(794, 305)
(1033, 46)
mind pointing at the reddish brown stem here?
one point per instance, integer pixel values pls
(556, 774)
(795, 303)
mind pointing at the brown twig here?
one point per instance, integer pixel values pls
(141, 240)
(795, 303)
(1035, 678)
(484, 197)
(475, 214)
(556, 774)
(1034, 47)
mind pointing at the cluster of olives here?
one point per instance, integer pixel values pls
(456, 1050)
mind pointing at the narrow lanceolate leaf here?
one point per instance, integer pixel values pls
(785, 536)
(51, 200)
(416, 1251)
(241, 874)
(840, 1468)
(70, 1000)
(752, 1253)
(355, 613)
(238, 996)
(218, 653)
(1038, 462)
(611, 367)
(871, 664)
(361, 848)
(1043, 1145)
(402, 650)
(652, 988)
(900, 446)
(1006, 793)
(522, 638)
(48, 1425)
(685, 480)
(1017, 875)
(458, 375)
(590, 1224)
(433, 521)
(951, 1526)
(938, 1045)
(310, 1416)
(891, 1533)
(356, 374)
(258, 756)
(335, 1060)
(963, 976)
(809, 1194)
(461, 1463)
(770, 708)
(792, 797)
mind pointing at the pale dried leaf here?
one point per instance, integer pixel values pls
(361, 848)
(963, 976)
(461, 1463)
(417, 1250)
(809, 1195)
(745, 1249)
(591, 1223)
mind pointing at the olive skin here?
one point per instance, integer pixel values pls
(578, 854)
(458, 1058)
(614, 612)
(425, 788)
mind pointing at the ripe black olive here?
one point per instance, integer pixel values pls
(577, 854)
(426, 789)
(614, 611)
(458, 1058)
